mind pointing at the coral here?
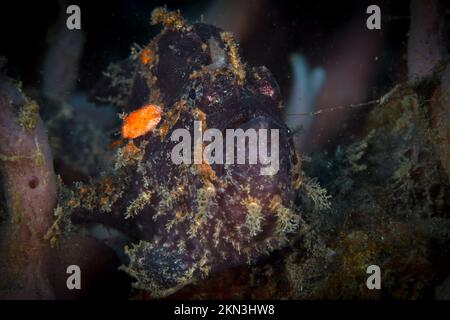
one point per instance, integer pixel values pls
(305, 89)
(389, 217)
(26, 167)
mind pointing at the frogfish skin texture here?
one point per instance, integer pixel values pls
(186, 221)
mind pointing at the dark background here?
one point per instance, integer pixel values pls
(111, 27)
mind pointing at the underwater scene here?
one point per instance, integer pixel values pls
(225, 149)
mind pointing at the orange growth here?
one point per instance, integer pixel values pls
(115, 144)
(146, 56)
(141, 121)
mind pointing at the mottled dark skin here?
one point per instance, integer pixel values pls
(195, 219)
